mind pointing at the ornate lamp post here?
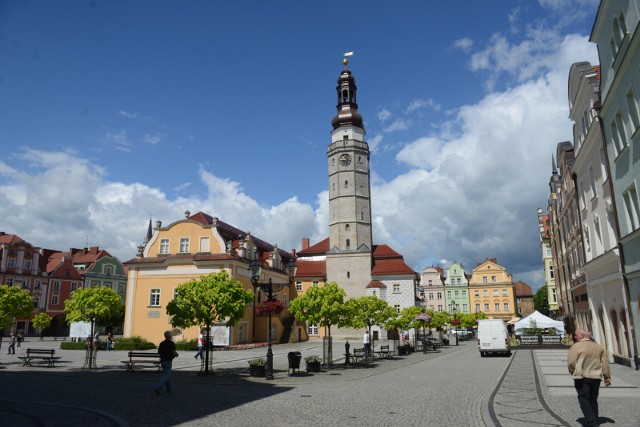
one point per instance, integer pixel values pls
(455, 321)
(269, 288)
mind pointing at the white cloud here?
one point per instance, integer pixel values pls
(418, 104)
(120, 140)
(129, 115)
(398, 124)
(152, 139)
(383, 115)
(465, 44)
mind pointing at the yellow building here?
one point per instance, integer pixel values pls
(492, 291)
(196, 246)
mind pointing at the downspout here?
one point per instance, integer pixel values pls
(625, 281)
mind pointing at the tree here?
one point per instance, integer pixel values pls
(41, 321)
(94, 305)
(541, 300)
(321, 305)
(216, 297)
(14, 302)
(367, 311)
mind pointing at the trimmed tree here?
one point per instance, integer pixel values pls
(321, 305)
(41, 321)
(367, 311)
(94, 305)
(14, 302)
(217, 297)
(541, 300)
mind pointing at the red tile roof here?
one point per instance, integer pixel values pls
(376, 284)
(319, 248)
(523, 290)
(311, 268)
(10, 238)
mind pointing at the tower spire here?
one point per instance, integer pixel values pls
(347, 106)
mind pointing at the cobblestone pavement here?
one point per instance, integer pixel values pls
(451, 387)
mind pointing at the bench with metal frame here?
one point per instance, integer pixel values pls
(142, 358)
(40, 354)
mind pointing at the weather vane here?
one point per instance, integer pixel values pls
(345, 61)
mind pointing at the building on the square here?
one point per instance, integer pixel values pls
(524, 299)
(193, 247)
(432, 288)
(602, 267)
(547, 262)
(456, 289)
(492, 290)
(350, 258)
(615, 31)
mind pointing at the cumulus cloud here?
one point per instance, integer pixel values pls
(465, 44)
(383, 114)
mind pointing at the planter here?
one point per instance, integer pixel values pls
(257, 371)
(313, 366)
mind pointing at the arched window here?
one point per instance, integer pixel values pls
(348, 243)
(346, 227)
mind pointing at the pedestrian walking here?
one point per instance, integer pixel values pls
(200, 346)
(12, 343)
(367, 344)
(111, 342)
(96, 341)
(167, 351)
(587, 362)
(19, 339)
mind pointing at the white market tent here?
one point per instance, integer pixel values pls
(541, 322)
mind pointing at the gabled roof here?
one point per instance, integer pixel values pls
(386, 261)
(310, 268)
(376, 284)
(523, 290)
(10, 239)
(319, 248)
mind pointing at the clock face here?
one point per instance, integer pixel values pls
(344, 159)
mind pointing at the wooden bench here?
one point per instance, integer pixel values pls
(358, 354)
(40, 354)
(384, 352)
(142, 358)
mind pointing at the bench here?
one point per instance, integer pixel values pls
(384, 352)
(40, 354)
(141, 358)
(358, 354)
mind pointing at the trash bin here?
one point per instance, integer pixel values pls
(294, 361)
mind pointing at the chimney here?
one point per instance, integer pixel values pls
(305, 243)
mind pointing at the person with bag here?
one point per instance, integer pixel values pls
(588, 363)
(167, 351)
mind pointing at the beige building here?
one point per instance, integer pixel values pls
(188, 249)
(492, 291)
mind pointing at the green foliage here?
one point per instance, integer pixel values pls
(258, 361)
(42, 321)
(217, 297)
(92, 303)
(131, 343)
(14, 302)
(440, 318)
(541, 300)
(533, 328)
(407, 317)
(115, 320)
(187, 345)
(321, 305)
(368, 311)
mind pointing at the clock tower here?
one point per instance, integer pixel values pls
(350, 236)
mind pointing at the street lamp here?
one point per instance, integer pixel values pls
(455, 323)
(269, 288)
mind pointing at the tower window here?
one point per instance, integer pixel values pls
(348, 274)
(348, 243)
(346, 184)
(345, 137)
(362, 216)
(346, 227)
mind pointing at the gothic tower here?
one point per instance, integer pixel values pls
(350, 237)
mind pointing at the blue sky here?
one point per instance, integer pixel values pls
(115, 111)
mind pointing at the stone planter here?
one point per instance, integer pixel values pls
(313, 366)
(257, 371)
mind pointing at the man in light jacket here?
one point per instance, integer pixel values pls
(587, 362)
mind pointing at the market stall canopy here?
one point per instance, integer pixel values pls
(541, 321)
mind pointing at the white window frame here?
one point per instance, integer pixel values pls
(154, 297)
(164, 246)
(184, 245)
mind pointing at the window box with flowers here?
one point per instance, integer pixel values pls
(257, 367)
(266, 308)
(313, 363)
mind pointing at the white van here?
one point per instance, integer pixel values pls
(493, 337)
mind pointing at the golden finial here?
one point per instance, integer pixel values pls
(345, 61)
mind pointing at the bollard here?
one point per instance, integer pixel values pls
(346, 353)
